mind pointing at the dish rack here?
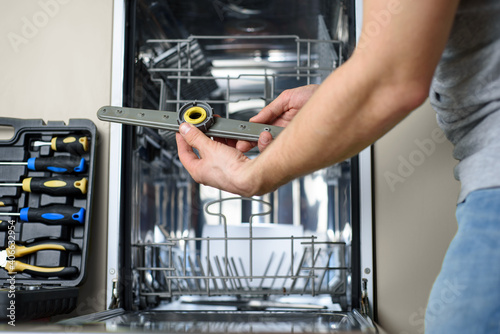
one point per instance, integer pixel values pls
(245, 262)
(267, 62)
(306, 266)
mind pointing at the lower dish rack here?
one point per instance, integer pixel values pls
(250, 262)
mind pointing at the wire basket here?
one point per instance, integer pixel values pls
(241, 260)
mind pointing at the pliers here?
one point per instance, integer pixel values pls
(9, 255)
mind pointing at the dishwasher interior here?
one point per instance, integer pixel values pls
(186, 247)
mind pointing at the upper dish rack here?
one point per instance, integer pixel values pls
(227, 70)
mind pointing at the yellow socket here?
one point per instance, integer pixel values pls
(195, 115)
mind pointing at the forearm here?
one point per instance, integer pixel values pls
(363, 99)
(348, 112)
(385, 79)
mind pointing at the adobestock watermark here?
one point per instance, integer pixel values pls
(450, 293)
(379, 20)
(31, 25)
(407, 164)
(10, 266)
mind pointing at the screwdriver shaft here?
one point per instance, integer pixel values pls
(41, 143)
(13, 163)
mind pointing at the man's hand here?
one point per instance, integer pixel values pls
(279, 112)
(218, 165)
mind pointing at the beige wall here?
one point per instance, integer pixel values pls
(57, 70)
(414, 217)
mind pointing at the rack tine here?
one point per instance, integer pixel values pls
(225, 250)
(179, 282)
(290, 270)
(324, 271)
(202, 272)
(234, 284)
(250, 242)
(311, 272)
(267, 269)
(229, 277)
(221, 272)
(298, 269)
(185, 280)
(236, 272)
(244, 273)
(193, 273)
(211, 273)
(168, 278)
(278, 269)
(184, 262)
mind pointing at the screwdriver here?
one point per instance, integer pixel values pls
(55, 214)
(4, 202)
(7, 202)
(57, 186)
(60, 164)
(66, 144)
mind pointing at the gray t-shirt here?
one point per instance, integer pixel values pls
(465, 93)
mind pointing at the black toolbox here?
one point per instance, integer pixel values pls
(58, 246)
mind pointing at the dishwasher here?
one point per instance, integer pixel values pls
(187, 258)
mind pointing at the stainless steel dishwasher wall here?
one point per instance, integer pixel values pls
(237, 60)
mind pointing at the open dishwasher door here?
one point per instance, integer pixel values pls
(183, 257)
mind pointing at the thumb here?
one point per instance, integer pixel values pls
(193, 136)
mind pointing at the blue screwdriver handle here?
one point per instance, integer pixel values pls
(54, 215)
(58, 164)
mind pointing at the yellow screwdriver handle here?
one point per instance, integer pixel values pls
(70, 144)
(61, 185)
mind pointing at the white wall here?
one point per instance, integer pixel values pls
(55, 64)
(414, 217)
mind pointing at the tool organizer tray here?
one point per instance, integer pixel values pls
(38, 292)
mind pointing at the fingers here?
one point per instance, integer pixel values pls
(226, 141)
(193, 136)
(288, 100)
(187, 138)
(273, 110)
(186, 154)
(265, 139)
(245, 146)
